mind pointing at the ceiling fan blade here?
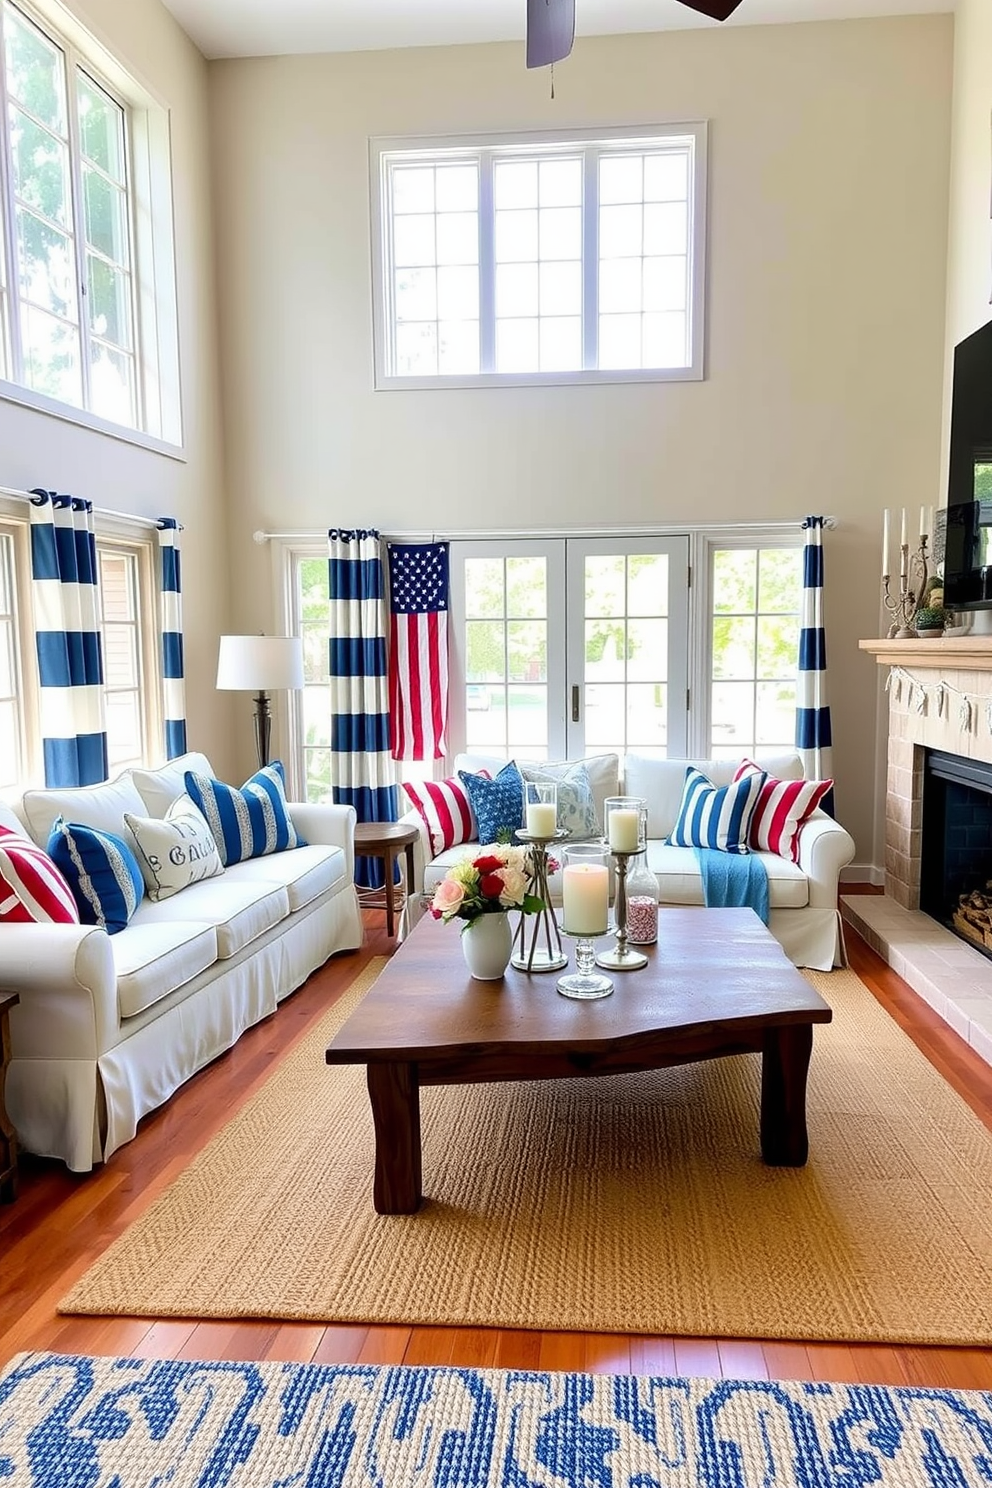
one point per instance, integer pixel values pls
(717, 10)
(550, 31)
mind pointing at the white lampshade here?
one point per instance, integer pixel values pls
(258, 663)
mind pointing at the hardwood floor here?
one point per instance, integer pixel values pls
(61, 1222)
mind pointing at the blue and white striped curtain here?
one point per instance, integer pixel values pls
(66, 602)
(362, 769)
(813, 738)
(171, 611)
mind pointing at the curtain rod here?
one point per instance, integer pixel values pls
(514, 533)
(100, 511)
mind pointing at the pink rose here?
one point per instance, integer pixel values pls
(448, 897)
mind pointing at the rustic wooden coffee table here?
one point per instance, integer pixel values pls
(716, 983)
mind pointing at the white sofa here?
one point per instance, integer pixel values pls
(109, 1026)
(803, 912)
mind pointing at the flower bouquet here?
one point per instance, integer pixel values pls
(495, 881)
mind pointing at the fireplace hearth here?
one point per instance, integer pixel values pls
(956, 846)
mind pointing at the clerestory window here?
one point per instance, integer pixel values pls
(539, 259)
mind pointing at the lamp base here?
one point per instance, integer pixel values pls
(263, 728)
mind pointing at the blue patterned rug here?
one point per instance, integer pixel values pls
(72, 1422)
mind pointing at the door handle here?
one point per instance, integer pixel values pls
(575, 704)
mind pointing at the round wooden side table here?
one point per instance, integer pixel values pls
(386, 840)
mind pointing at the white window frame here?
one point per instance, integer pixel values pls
(594, 143)
(148, 649)
(701, 616)
(158, 423)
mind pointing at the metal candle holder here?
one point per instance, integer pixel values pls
(621, 957)
(913, 574)
(551, 957)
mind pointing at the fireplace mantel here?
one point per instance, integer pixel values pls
(963, 653)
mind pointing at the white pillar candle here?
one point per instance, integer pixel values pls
(585, 898)
(542, 818)
(624, 825)
(885, 543)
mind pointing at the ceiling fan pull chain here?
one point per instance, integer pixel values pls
(552, 82)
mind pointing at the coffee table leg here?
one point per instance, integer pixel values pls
(394, 1090)
(784, 1066)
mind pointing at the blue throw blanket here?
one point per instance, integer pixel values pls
(733, 879)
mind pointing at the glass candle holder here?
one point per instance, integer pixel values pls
(624, 827)
(585, 896)
(541, 809)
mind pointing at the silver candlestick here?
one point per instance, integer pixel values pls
(621, 957)
(913, 574)
(550, 956)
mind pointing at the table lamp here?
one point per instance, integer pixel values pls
(260, 664)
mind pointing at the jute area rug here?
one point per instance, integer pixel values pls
(634, 1203)
(67, 1421)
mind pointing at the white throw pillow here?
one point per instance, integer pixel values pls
(576, 807)
(174, 851)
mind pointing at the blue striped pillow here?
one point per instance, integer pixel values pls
(102, 872)
(250, 822)
(717, 816)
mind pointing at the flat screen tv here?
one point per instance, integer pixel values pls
(968, 544)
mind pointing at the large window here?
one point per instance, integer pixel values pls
(754, 624)
(127, 568)
(83, 222)
(546, 260)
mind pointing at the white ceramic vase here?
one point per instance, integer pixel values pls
(486, 945)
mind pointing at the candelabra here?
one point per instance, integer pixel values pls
(550, 956)
(913, 574)
(621, 957)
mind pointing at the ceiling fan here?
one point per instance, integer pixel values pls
(551, 26)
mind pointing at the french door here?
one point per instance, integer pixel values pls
(569, 647)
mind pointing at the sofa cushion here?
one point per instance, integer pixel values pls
(173, 851)
(159, 788)
(153, 959)
(716, 816)
(238, 909)
(577, 814)
(679, 880)
(305, 872)
(659, 781)
(102, 872)
(445, 810)
(249, 822)
(783, 806)
(32, 889)
(100, 806)
(498, 802)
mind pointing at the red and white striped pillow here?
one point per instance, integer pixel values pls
(783, 806)
(32, 890)
(446, 810)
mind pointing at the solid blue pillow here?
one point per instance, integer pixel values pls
(250, 822)
(498, 803)
(716, 816)
(102, 872)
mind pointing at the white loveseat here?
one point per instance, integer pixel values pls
(109, 1026)
(803, 912)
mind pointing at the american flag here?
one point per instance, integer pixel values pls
(418, 653)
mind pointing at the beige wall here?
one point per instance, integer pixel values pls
(38, 450)
(829, 155)
(969, 260)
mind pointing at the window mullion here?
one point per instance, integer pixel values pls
(78, 219)
(8, 245)
(487, 264)
(590, 259)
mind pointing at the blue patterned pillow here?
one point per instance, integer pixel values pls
(102, 872)
(717, 816)
(498, 803)
(250, 822)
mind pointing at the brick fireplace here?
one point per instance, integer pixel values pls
(952, 976)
